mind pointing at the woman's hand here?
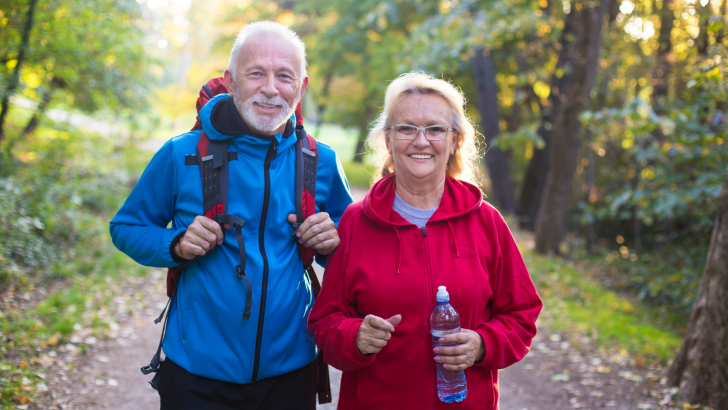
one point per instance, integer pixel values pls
(469, 349)
(374, 332)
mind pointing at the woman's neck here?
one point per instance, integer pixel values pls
(421, 195)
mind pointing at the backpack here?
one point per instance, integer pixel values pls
(212, 157)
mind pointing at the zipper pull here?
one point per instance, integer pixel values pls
(272, 151)
(424, 231)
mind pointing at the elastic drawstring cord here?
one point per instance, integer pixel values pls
(399, 252)
(452, 234)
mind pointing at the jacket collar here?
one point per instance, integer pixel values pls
(459, 198)
(221, 120)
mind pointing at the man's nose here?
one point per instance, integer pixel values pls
(269, 86)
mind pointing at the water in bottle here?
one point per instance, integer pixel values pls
(451, 386)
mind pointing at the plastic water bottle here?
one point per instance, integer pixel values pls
(451, 386)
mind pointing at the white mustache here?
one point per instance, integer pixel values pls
(277, 100)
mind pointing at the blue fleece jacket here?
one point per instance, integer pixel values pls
(206, 334)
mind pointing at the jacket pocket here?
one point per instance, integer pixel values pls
(464, 251)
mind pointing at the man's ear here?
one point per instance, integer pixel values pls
(304, 85)
(228, 79)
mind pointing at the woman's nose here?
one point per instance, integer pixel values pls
(420, 139)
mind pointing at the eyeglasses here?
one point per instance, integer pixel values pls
(410, 132)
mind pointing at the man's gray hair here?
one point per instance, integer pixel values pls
(270, 28)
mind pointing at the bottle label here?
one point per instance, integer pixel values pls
(441, 333)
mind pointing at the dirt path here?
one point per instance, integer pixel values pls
(558, 373)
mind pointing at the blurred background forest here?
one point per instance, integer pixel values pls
(629, 96)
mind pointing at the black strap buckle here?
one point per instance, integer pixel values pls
(149, 369)
(295, 227)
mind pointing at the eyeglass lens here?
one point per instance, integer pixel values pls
(433, 132)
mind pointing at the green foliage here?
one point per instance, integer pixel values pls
(574, 302)
(51, 204)
(666, 279)
(675, 163)
(89, 50)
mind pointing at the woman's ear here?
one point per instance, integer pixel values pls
(454, 143)
(389, 144)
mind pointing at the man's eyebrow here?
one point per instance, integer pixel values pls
(263, 68)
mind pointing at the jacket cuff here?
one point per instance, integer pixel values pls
(491, 356)
(354, 354)
(321, 259)
(174, 242)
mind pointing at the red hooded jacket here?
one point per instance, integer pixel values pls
(387, 266)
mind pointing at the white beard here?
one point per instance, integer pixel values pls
(263, 123)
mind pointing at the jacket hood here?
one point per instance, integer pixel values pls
(459, 198)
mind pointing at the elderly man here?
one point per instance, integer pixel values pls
(215, 359)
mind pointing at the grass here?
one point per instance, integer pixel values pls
(359, 174)
(28, 333)
(575, 303)
(343, 141)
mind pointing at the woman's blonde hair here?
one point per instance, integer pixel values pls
(462, 164)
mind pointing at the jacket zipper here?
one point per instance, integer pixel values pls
(428, 271)
(272, 151)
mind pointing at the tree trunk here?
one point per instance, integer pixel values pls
(663, 67)
(701, 366)
(42, 107)
(565, 141)
(321, 107)
(535, 178)
(704, 13)
(363, 133)
(16, 74)
(495, 158)
(589, 195)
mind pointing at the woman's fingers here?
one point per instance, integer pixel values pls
(453, 360)
(463, 354)
(379, 323)
(374, 332)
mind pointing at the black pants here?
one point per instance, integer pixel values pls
(180, 389)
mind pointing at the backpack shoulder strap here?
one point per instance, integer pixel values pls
(305, 185)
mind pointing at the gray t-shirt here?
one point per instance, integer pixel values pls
(413, 215)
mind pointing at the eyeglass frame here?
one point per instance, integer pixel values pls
(424, 131)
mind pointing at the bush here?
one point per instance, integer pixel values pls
(56, 200)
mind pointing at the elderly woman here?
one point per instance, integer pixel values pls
(424, 224)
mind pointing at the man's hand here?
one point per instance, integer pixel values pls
(469, 349)
(374, 332)
(318, 231)
(201, 236)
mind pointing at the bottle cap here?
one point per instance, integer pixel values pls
(442, 295)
